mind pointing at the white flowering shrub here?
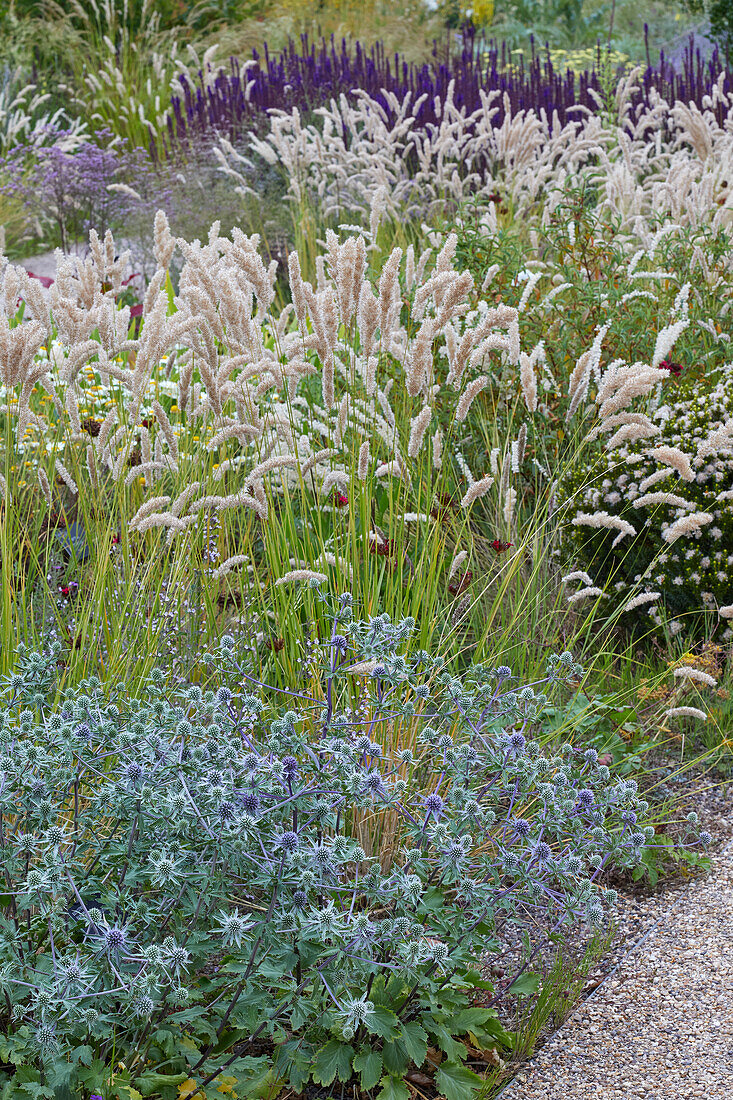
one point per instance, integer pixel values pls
(675, 494)
(186, 874)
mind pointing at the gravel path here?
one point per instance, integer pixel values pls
(661, 1027)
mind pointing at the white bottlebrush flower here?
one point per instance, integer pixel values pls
(438, 449)
(464, 467)
(43, 482)
(418, 426)
(601, 520)
(686, 525)
(667, 339)
(457, 562)
(528, 381)
(509, 504)
(578, 575)
(471, 392)
(686, 672)
(686, 712)
(592, 592)
(677, 459)
(228, 565)
(299, 575)
(640, 600)
(361, 668)
(389, 469)
(66, 477)
(363, 467)
(475, 491)
(650, 500)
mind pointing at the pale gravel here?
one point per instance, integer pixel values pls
(661, 1026)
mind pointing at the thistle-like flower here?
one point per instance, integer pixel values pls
(234, 928)
(355, 1011)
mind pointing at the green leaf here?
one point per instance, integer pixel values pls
(293, 1061)
(433, 899)
(393, 1089)
(256, 1077)
(415, 1041)
(331, 1060)
(60, 1076)
(368, 1064)
(26, 1082)
(491, 1032)
(456, 1082)
(84, 1055)
(298, 1076)
(476, 980)
(94, 1076)
(468, 1018)
(148, 1083)
(443, 1039)
(170, 294)
(35, 1090)
(396, 1058)
(382, 1022)
(525, 984)
(299, 1014)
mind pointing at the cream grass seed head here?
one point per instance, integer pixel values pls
(686, 672)
(477, 490)
(686, 712)
(578, 575)
(591, 592)
(418, 427)
(686, 525)
(677, 459)
(641, 600)
(299, 576)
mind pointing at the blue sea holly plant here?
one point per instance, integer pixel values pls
(285, 885)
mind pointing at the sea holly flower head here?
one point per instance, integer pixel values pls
(234, 928)
(356, 1011)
